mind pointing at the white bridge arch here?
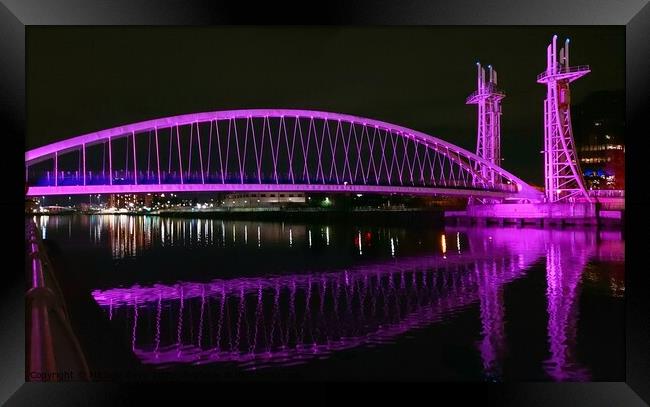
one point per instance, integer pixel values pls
(265, 149)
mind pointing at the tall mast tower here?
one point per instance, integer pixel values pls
(563, 178)
(488, 98)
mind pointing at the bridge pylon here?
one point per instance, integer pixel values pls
(563, 178)
(488, 99)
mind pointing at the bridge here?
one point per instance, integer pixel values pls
(289, 150)
(265, 149)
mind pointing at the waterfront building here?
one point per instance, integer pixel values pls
(264, 199)
(600, 140)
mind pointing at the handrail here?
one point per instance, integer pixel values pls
(607, 193)
(488, 89)
(40, 262)
(48, 316)
(563, 70)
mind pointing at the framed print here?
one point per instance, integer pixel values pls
(407, 196)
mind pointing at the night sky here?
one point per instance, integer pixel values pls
(84, 79)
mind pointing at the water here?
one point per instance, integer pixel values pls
(248, 299)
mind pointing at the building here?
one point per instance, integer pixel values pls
(264, 199)
(599, 136)
(32, 205)
(603, 164)
(129, 201)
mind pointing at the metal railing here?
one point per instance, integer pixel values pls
(54, 353)
(564, 70)
(489, 88)
(607, 193)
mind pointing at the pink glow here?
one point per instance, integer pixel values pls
(488, 98)
(457, 166)
(563, 177)
(271, 337)
(315, 314)
(142, 188)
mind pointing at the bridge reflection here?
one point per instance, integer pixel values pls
(282, 320)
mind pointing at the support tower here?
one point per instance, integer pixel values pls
(563, 178)
(488, 98)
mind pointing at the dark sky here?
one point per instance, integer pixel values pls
(83, 79)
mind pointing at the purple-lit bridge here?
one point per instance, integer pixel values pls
(266, 150)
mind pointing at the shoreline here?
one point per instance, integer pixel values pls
(390, 216)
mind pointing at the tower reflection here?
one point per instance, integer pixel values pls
(566, 258)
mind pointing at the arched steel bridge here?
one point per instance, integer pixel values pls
(265, 149)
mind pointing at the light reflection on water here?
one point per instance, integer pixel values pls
(252, 322)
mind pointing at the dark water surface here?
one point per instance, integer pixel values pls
(205, 298)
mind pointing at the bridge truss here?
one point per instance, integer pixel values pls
(265, 149)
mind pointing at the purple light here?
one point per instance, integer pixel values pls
(272, 338)
(422, 161)
(563, 177)
(314, 314)
(145, 188)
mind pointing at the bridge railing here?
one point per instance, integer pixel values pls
(489, 88)
(607, 193)
(74, 178)
(564, 70)
(52, 345)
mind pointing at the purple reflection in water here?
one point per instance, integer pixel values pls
(287, 319)
(290, 319)
(566, 258)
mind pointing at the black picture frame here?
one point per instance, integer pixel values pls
(15, 15)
